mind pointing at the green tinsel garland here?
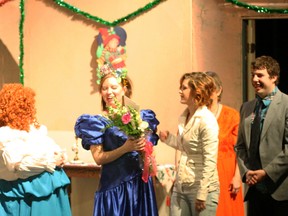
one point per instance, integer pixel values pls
(21, 36)
(107, 23)
(122, 20)
(258, 8)
(78, 11)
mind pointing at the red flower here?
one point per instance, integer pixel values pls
(126, 118)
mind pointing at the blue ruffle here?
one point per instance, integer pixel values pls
(90, 129)
(150, 117)
(44, 194)
(41, 185)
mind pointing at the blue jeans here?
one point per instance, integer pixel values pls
(183, 203)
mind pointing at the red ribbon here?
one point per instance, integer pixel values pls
(149, 167)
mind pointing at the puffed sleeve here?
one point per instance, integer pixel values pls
(150, 117)
(90, 129)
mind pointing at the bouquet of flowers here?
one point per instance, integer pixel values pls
(128, 120)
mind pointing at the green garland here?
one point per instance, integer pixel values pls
(21, 36)
(258, 8)
(107, 23)
(121, 20)
(78, 11)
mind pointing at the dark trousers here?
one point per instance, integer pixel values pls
(260, 204)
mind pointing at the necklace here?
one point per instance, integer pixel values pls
(215, 113)
(218, 110)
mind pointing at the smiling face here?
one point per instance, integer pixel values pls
(111, 89)
(262, 82)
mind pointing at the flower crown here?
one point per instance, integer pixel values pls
(107, 68)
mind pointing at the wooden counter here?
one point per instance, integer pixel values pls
(82, 170)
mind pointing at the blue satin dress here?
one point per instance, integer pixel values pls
(121, 190)
(44, 194)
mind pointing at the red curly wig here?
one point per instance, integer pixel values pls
(17, 107)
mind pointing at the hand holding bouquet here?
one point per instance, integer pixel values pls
(128, 120)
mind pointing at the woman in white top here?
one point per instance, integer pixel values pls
(196, 188)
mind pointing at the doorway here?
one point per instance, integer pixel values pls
(265, 37)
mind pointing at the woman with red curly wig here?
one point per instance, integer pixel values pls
(32, 182)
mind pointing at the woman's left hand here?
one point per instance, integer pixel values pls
(200, 205)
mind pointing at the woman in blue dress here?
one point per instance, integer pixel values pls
(121, 191)
(32, 182)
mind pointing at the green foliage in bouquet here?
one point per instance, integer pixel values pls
(127, 119)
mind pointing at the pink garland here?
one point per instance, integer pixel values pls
(149, 167)
(2, 2)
